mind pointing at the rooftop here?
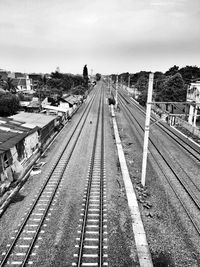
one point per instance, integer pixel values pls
(31, 120)
(11, 132)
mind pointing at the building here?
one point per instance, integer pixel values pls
(193, 97)
(46, 124)
(22, 83)
(17, 145)
(35, 80)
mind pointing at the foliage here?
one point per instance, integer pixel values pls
(142, 86)
(85, 72)
(9, 104)
(173, 89)
(134, 77)
(98, 76)
(60, 83)
(85, 77)
(190, 73)
(78, 90)
(172, 71)
(123, 77)
(142, 98)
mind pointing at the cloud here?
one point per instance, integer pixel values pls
(70, 32)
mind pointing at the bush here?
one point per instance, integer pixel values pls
(9, 104)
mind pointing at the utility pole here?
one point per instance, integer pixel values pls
(91, 74)
(147, 126)
(109, 85)
(129, 79)
(116, 96)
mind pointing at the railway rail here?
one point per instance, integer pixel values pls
(192, 149)
(189, 187)
(91, 242)
(20, 251)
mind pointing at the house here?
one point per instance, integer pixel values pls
(193, 97)
(35, 80)
(45, 123)
(22, 83)
(17, 145)
(63, 107)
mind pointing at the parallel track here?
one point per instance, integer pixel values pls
(26, 237)
(91, 240)
(189, 186)
(192, 149)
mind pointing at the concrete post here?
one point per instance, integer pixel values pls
(146, 132)
(116, 96)
(191, 112)
(195, 115)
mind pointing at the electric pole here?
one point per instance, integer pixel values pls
(116, 97)
(146, 131)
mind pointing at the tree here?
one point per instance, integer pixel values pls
(173, 89)
(9, 104)
(142, 86)
(172, 71)
(85, 76)
(98, 76)
(10, 86)
(189, 73)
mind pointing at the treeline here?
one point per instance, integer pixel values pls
(59, 83)
(169, 86)
(56, 84)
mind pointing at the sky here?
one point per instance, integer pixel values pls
(110, 36)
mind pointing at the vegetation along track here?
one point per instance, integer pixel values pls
(21, 250)
(175, 169)
(91, 241)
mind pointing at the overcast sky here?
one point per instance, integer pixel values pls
(110, 36)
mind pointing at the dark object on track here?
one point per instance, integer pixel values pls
(111, 101)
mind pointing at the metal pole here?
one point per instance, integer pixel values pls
(146, 132)
(129, 80)
(116, 96)
(109, 83)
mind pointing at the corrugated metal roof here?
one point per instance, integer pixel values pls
(71, 99)
(36, 119)
(61, 109)
(11, 133)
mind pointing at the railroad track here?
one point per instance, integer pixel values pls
(24, 243)
(175, 169)
(91, 241)
(191, 148)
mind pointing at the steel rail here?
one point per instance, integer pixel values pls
(191, 148)
(101, 190)
(170, 183)
(168, 161)
(5, 259)
(84, 224)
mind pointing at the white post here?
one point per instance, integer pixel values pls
(146, 132)
(195, 115)
(128, 83)
(191, 113)
(116, 96)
